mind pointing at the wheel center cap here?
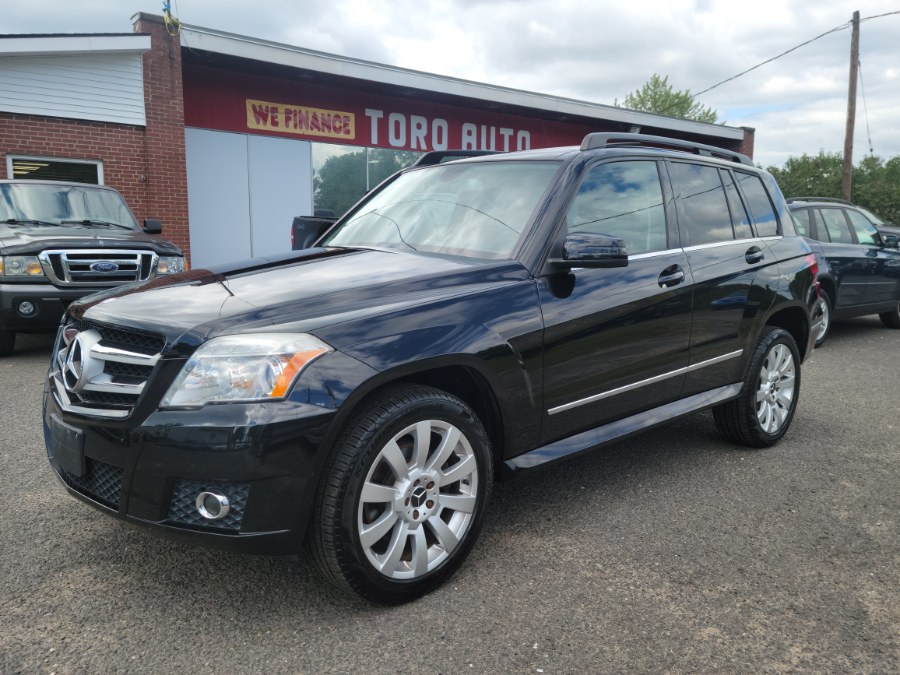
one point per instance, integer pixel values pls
(418, 496)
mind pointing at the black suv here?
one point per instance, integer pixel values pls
(859, 262)
(462, 321)
(60, 241)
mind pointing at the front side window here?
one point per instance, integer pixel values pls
(760, 204)
(469, 209)
(865, 231)
(704, 204)
(622, 199)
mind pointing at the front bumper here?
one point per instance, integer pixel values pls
(49, 305)
(263, 457)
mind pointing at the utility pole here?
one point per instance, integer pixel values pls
(847, 171)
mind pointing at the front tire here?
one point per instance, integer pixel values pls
(763, 411)
(891, 319)
(403, 496)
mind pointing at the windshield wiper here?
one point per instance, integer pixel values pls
(27, 221)
(91, 221)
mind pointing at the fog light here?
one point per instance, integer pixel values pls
(212, 505)
(26, 308)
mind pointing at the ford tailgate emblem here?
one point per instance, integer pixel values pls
(104, 267)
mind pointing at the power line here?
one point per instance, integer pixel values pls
(843, 26)
(866, 110)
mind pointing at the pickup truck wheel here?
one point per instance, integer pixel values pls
(763, 411)
(823, 310)
(891, 319)
(7, 341)
(403, 495)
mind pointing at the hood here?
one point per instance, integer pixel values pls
(307, 290)
(32, 239)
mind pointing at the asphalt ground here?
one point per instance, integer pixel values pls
(673, 551)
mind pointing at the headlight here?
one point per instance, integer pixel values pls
(170, 264)
(20, 266)
(243, 368)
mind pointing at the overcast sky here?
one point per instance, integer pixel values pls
(593, 51)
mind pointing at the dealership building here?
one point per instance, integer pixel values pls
(225, 138)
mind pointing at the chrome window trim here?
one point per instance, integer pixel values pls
(642, 383)
(719, 244)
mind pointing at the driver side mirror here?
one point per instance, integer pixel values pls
(587, 249)
(890, 241)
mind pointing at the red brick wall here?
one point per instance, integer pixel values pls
(746, 146)
(146, 165)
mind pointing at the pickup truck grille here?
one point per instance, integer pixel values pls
(101, 371)
(97, 267)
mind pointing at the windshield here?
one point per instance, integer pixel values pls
(470, 209)
(871, 216)
(58, 204)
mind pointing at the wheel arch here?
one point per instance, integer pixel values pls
(794, 320)
(465, 381)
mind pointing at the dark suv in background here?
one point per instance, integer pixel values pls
(464, 320)
(60, 241)
(859, 262)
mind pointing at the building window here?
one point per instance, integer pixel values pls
(53, 168)
(342, 174)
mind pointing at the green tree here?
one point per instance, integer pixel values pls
(658, 96)
(876, 183)
(344, 179)
(810, 176)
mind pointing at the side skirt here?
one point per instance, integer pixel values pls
(587, 440)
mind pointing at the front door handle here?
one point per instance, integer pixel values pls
(753, 255)
(671, 276)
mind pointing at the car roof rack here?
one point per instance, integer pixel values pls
(834, 200)
(606, 140)
(439, 156)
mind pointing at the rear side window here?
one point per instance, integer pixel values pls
(801, 222)
(836, 226)
(622, 199)
(703, 203)
(739, 216)
(760, 204)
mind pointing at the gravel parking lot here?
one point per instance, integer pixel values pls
(672, 551)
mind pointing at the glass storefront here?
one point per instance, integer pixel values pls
(343, 173)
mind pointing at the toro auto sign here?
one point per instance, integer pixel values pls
(246, 103)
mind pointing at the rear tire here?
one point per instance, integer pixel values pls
(403, 495)
(823, 307)
(7, 341)
(763, 411)
(891, 319)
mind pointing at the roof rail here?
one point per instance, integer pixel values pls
(819, 199)
(440, 156)
(605, 140)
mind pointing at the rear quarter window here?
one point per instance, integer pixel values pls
(761, 208)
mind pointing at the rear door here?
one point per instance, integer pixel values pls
(847, 260)
(725, 256)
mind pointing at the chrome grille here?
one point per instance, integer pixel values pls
(97, 267)
(102, 371)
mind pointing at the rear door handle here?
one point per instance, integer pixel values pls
(753, 255)
(671, 276)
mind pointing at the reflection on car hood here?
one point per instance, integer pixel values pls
(307, 290)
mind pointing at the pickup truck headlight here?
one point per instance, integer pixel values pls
(170, 264)
(243, 368)
(20, 266)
